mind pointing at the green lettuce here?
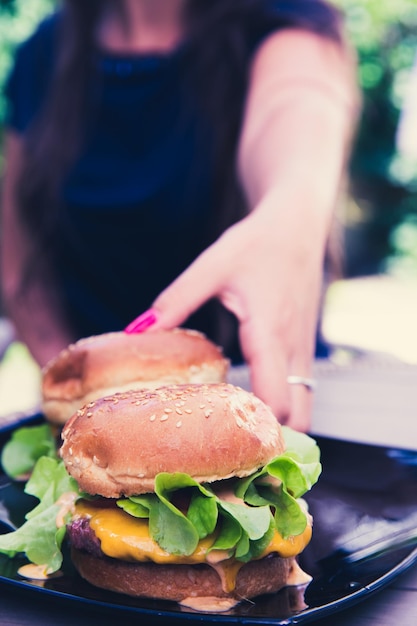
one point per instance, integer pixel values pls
(243, 528)
(295, 471)
(26, 445)
(267, 500)
(179, 533)
(39, 538)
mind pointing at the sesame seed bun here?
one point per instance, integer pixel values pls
(116, 445)
(113, 362)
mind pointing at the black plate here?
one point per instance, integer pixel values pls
(365, 521)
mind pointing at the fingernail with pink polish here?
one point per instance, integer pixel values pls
(141, 323)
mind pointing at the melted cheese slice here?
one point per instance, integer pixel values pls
(127, 538)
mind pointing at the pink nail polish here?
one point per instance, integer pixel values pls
(141, 323)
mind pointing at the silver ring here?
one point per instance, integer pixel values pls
(309, 383)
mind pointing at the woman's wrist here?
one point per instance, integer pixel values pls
(302, 215)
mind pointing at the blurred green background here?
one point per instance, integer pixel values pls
(380, 214)
(381, 217)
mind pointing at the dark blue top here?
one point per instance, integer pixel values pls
(138, 200)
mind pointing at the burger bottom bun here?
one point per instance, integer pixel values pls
(187, 584)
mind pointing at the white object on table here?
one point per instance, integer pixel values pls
(369, 399)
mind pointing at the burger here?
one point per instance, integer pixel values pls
(104, 364)
(189, 493)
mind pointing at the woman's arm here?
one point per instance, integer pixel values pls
(267, 269)
(34, 311)
(300, 117)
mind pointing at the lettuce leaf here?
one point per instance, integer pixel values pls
(304, 451)
(26, 445)
(244, 527)
(293, 473)
(39, 538)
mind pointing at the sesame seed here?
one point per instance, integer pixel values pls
(89, 414)
(164, 418)
(167, 410)
(178, 424)
(152, 418)
(208, 413)
(189, 411)
(178, 411)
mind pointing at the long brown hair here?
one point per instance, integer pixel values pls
(52, 140)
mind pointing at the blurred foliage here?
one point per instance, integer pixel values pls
(380, 216)
(18, 19)
(403, 260)
(383, 200)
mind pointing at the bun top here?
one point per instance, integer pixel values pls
(112, 362)
(116, 445)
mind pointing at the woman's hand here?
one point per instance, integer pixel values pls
(267, 269)
(273, 287)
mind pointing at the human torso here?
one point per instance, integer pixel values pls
(138, 199)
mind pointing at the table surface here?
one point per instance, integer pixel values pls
(351, 400)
